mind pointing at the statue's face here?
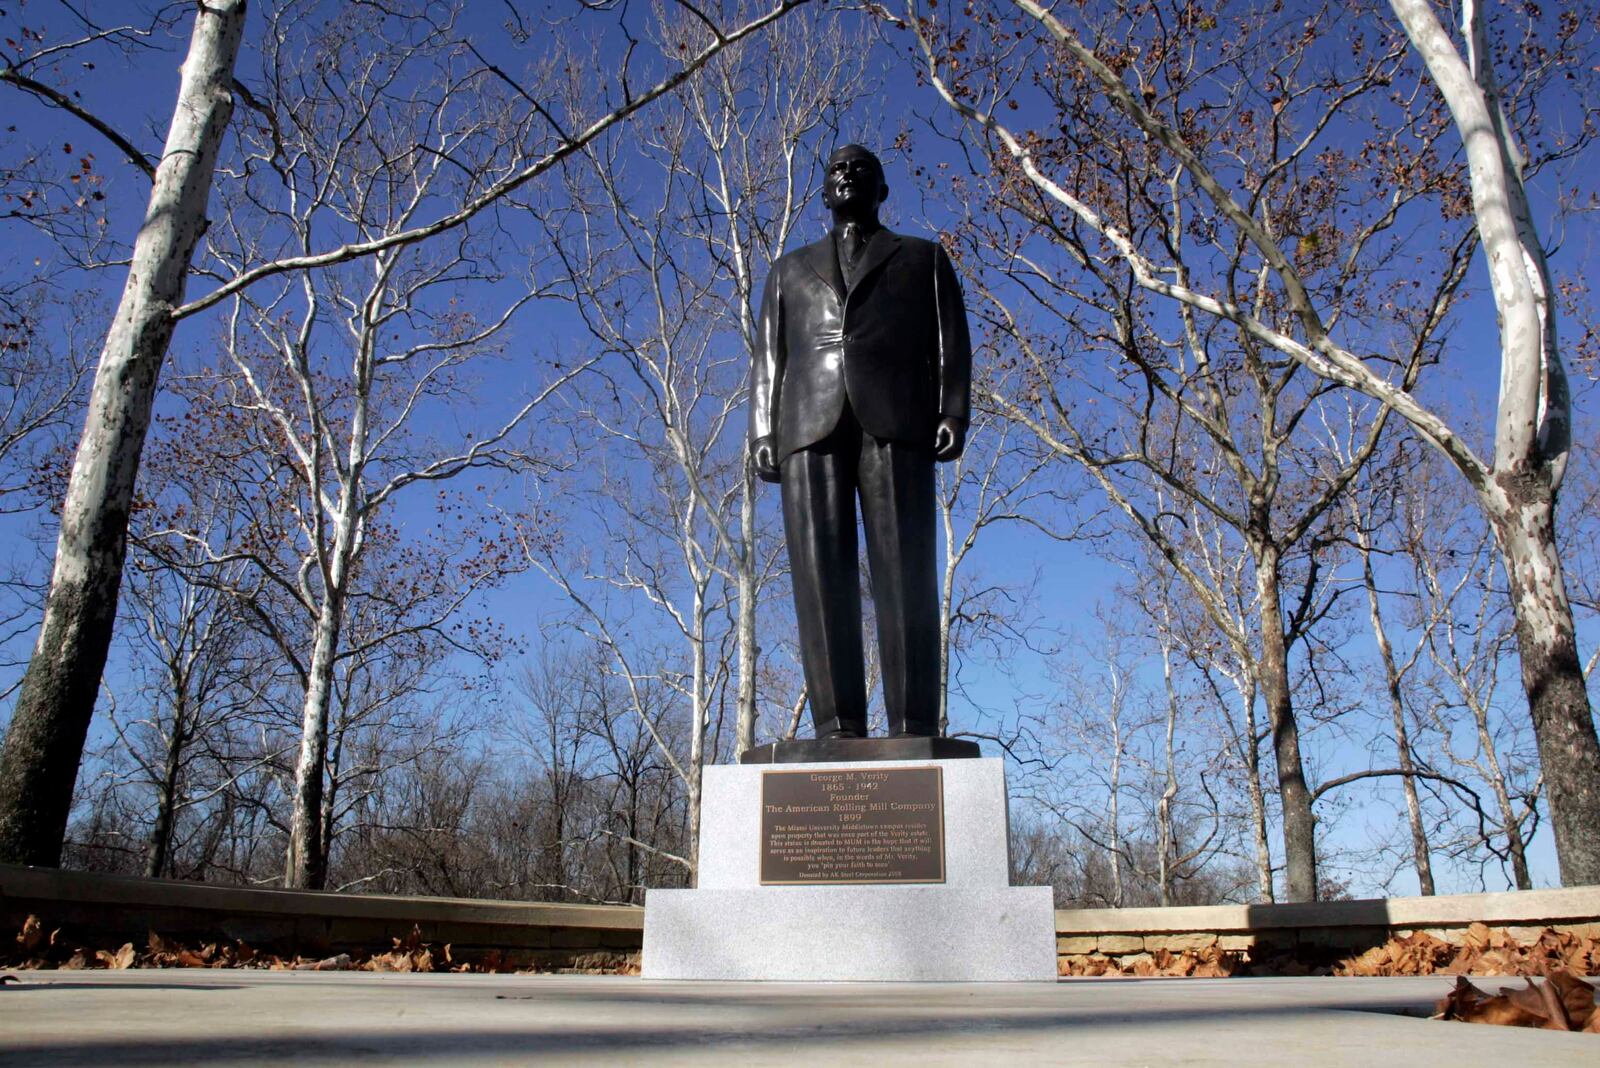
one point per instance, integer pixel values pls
(854, 178)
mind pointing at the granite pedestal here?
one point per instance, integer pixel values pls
(972, 927)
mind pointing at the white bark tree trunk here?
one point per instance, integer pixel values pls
(947, 597)
(1420, 857)
(39, 764)
(1532, 433)
(1523, 514)
(304, 867)
(1250, 754)
(1165, 839)
(699, 710)
(746, 619)
(1114, 813)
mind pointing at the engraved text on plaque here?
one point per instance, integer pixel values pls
(864, 825)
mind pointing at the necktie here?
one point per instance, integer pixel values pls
(850, 246)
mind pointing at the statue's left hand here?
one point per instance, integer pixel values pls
(950, 438)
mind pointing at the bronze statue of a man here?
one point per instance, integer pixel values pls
(862, 372)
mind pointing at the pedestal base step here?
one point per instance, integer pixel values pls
(852, 933)
(829, 750)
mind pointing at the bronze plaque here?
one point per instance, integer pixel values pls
(852, 825)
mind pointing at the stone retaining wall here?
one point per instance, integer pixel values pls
(1262, 939)
(1269, 939)
(112, 909)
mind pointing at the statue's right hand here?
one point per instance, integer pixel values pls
(764, 455)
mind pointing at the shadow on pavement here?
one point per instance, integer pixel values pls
(445, 1046)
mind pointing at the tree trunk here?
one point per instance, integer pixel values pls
(947, 596)
(1522, 508)
(1169, 789)
(304, 867)
(1299, 825)
(1114, 814)
(747, 613)
(1397, 710)
(1250, 752)
(160, 841)
(700, 713)
(1516, 848)
(39, 765)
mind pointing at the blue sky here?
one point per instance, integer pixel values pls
(1074, 583)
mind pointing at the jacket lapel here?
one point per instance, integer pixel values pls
(823, 259)
(879, 248)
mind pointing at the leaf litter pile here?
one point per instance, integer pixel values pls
(1564, 1001)
(39, 947)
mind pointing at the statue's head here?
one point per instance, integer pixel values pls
(854, 180)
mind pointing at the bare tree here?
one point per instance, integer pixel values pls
(1395, 671)
(193, 649)
(42, 374)
(1302, 305)
(666, 237)
(56, 703)
(994, 482)
(1129, 764)
(1461, 617)
(51, 719)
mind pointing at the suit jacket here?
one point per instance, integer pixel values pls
(894, 344)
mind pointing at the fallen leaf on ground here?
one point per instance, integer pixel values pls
(118, 961)
(32, 935)
(1562, 1002)
(338, 963)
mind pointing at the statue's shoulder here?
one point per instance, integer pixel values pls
(796, 256)
(919, 246)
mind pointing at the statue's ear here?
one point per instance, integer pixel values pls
(883, 192)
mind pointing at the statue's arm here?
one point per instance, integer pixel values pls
(955, 359)
(766, 377)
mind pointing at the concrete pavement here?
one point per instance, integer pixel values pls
(232, 1017)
